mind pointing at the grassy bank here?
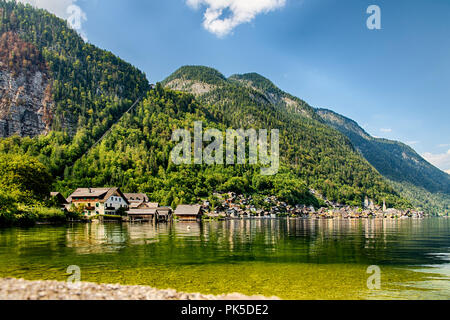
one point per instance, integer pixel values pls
(30, 215)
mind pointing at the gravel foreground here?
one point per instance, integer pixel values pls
(19, 289)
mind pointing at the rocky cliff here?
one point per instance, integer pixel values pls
(25, 89)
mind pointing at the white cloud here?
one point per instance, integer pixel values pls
(65, 9)
(444, 145)
(386, 130)
(241, 11)
(441, 160)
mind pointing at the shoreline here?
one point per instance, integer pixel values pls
(20, 289)
(214, 219)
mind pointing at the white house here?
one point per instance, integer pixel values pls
(99, 201)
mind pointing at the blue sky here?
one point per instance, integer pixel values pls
(394, 82)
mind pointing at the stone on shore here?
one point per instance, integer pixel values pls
(19, 289)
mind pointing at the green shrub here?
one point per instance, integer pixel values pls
(44, 214)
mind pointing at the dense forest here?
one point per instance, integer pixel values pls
(90, 90)
(17, 55)
(25, 193)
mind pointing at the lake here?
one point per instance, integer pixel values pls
(291, 259)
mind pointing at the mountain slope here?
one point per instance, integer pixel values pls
(321, 156)
(135, 156)
(60, 85)
(201, 80)
(26, 104)
(392, 159)
(277, 97)
(412, 175)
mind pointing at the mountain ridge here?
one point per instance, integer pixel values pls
(314, 149)
(190, 78)
(426, 186)
(379, 151)
(408, 172)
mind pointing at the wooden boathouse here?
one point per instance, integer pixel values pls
(189, 212)
(161, 214)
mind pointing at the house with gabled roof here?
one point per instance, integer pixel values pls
(189, 212)
(155, 214)
(99, 201)
(140, 201)
(59, 199)
(136, 197)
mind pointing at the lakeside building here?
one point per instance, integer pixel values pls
(59, 199)
(158, 214)
(189, 212)
(99, 201)
(140, 201)
(136, 197)
(140, 209)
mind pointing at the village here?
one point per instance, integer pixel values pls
(110, 204)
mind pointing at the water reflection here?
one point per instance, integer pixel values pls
(403, 242)
(313, 246)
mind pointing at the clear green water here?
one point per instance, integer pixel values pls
(291, 259)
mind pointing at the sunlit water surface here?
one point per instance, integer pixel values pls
(291, 259)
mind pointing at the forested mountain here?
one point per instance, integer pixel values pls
(136, 157)
(425, 186)
(321, 156)
(412, 176)
(82, 89)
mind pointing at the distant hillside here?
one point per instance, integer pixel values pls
(425, 185)
(135, 156)
(53, 82)
(392, 159)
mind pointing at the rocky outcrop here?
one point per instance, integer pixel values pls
(25, 90)
(191, 86)
(25, 104)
